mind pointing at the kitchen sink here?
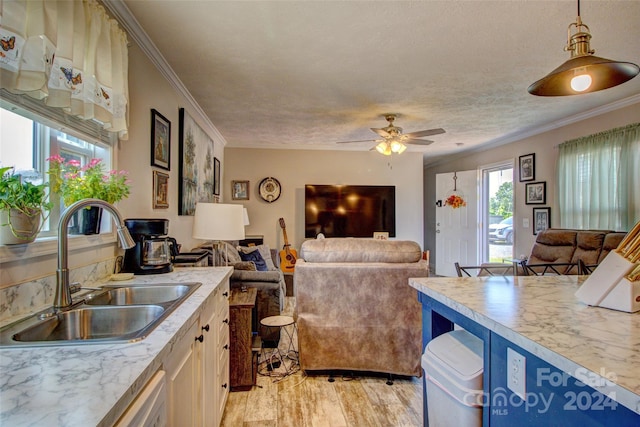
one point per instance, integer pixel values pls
(92, 323)
(113, 314)
(154, 294)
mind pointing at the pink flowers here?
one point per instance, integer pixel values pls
(74, 182)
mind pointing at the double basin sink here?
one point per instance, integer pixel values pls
(113, 314)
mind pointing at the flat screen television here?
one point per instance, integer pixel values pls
(349, 210)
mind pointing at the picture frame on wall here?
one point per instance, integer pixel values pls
(527, 167)
(216, 176)
(160, 141)
(536, 193)
(239, 190)
(196, 165)
(541, 219)
(160, 190)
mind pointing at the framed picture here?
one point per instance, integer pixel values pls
(527, 167)
(160, 190)
(196, 166)
(160, 141)
(536, 193)
(541, 219)
(239, 190)
(216, 176)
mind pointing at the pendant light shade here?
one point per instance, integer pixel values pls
(584, 72)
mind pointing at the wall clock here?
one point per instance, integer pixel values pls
(269, 189)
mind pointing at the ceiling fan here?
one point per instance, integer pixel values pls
(393, 140)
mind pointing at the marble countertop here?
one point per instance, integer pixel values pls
(91, 385)
(542, 315)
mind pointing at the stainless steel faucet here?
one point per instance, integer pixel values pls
(62, 298)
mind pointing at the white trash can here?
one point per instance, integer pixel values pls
(453, 365)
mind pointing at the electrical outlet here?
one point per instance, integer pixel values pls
(516, 373)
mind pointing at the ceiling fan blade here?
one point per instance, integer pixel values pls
(422, 133)
(383, 133)
(362, 140)
(418, 141)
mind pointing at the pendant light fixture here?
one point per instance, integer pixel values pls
(584, 72)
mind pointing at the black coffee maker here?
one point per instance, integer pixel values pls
(153, 251)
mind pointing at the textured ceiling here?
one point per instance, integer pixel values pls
(306, 74)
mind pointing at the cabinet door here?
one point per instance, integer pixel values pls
(209, 366)
(221, 383)
(183, 381)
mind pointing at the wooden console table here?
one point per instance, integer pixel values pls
(242, 355)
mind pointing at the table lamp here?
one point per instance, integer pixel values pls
(218, 222)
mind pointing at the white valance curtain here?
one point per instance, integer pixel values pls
(599, 180)
(70, 54)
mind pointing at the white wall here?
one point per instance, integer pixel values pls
(544, 146)
(295, 168)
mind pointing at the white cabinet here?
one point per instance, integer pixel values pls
(149, 407)
(198, 366)
(215, 356)
(183, 381)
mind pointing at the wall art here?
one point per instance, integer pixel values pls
(536, 193)
(239, 190)
(527, 167)
(541, 219)
(160, 141)
(160, 190)
(196, 166)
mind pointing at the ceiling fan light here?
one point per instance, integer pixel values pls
(382, 147)
(397, 146)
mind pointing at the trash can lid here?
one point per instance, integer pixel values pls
(460, 351)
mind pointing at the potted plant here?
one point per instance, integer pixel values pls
(22, 207)
(74, 182)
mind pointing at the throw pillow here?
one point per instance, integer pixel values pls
(257, 259)
(264, 250)
(245, 266)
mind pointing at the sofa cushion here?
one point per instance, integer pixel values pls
(360, 250)
(245, 265)
(611, 242)
(588, 246)
(553, 246)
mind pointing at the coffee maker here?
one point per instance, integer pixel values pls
(153, 251)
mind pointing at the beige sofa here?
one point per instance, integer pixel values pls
(355, 310)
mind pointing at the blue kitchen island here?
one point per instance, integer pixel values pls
(582, 363)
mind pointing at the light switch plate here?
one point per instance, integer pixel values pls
(525, 222)
(516, 373)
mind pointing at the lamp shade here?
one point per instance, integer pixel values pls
(246, 216)
(217, 221)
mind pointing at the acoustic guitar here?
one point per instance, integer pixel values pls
(288, 256)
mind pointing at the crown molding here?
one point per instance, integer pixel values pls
(526, 133)
(133, 28)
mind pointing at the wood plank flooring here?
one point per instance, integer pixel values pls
(301, 400)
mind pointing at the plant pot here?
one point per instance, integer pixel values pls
(86, 221)
(17, 228)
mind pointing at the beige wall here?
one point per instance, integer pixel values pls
(295, 168)
(147, 89)
(544, 147)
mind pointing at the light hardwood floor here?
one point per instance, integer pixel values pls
(301, 400)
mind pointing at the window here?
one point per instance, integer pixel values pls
(27, 139)
(597, 179)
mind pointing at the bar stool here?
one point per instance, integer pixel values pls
(288, 325)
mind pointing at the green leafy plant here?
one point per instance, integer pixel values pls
(18, 196)
(74, 182)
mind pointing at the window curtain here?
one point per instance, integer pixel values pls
(599, 180)
(70, 54)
